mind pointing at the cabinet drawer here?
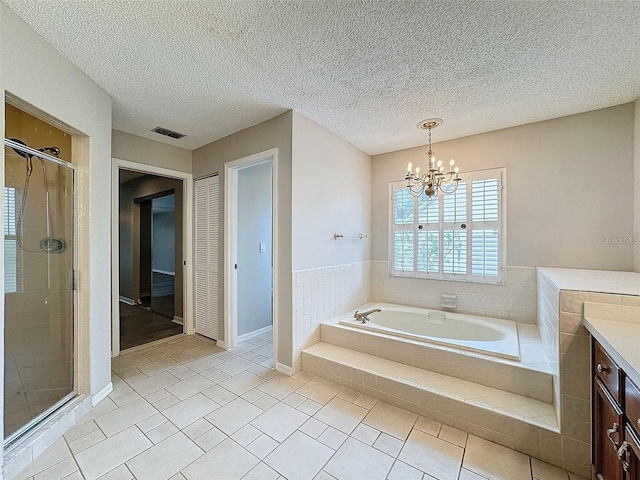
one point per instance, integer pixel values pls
(608, 434)
(630, 457)
(607, 371)
(632, 404)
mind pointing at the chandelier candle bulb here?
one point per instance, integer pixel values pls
(417, 171)
(409, 168)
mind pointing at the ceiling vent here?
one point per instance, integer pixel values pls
(168, 133)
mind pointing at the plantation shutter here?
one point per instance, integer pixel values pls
(458, 235)
(10, 240)
(207, 192)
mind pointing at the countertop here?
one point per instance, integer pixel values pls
(602, 281)
(617, 329)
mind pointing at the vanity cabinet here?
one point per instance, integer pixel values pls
(616, 420)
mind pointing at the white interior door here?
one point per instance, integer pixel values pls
(206, 281)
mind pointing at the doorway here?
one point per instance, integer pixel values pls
(250, 255)
(151, 256)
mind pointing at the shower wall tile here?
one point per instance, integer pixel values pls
(514, 301)
(323, 293)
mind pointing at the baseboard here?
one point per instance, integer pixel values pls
(178, 320)
(127, 300)
(284, 369)
(255, 333)
(102, 394)
(220, 343)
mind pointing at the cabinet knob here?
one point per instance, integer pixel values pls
(601, 368)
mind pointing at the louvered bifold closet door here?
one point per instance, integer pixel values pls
(206, 248)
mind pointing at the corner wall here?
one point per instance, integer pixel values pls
(636, 186)
(126, 146)
(331, 193)
(210, 159)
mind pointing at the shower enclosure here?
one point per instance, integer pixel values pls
(38, 274)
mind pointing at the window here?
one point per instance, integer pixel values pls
(457, 236)
(11, 252)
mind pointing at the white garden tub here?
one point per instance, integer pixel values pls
(491, 336)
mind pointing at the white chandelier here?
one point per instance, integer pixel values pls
(435, 179)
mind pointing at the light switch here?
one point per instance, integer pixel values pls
(263, 247)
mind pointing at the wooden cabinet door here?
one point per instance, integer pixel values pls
(630, 455)
(608, 434)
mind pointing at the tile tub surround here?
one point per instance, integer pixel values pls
(323, 293)
(562, 313)
(530, 377)
(514, 301)
(286, 428)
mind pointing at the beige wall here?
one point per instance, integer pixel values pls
(636, 186)
(569, 184)
(274, 133)
(331, 193)
(74, 102)
(126, 146)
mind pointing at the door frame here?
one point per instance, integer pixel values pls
(231, 170)
(187, 251)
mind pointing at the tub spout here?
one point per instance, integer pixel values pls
(363, 317)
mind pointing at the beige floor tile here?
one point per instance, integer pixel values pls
(189, 387)
(246, 435)
(162, 432)
(342, 415)
(190, 410)
(228, 460)
(354, 459)
(388, 444)
(235, 366)
(365, 434)
(108, 454)
(55, 454)
(319, 390)
(157, 366)
(197, 428)
(293, 399)
(118, 473)
(431, 455)
(89, 440)
(427, 425)
(265, 402)
(391, 420)
(124, 417)
(280, 386)
(210, 439)
(495, 461)
(468, 475)
(151, 422)
(309, 407)
(234, 415)
(242, 382)
(262, 471)
(262, 446)
(453, 435)
(80, 430)
(165, 459)
(202, 364)
(365, 401)
(544, 471)
(154, 383)
(402, 471)
(203, 350)
(322, 475)
(332, 438)
(59, 471)
(313, 428)
(299, 446)
(280, 421)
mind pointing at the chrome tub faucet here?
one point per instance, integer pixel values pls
(363, 317)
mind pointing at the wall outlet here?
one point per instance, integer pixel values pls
(263, 247)
(448, 301)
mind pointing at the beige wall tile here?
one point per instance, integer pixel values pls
(571, 302)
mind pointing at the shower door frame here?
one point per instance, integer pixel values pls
(35, 422)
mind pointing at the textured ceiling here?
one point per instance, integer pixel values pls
(366, 70)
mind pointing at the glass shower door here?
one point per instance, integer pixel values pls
(38, 280)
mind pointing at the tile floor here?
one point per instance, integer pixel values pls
(185, 409)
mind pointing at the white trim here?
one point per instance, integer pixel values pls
(164, 272)
(221, 344)
(255, 333)
(178, 320)
(284, 369)
(102, 394)
(230, 244)
(126, 300)
(187, 247)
